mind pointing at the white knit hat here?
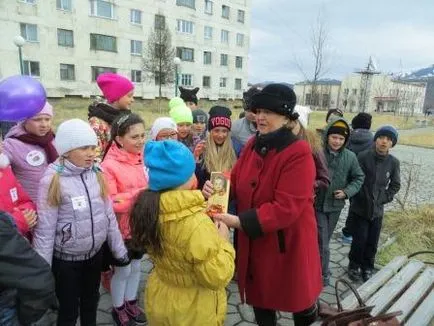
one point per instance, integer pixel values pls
(73, 134)
(160, 124)
(303, 112)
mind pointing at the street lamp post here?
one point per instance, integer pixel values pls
(19, 41)
(177, 62)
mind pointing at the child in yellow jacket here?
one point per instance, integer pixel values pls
(193, 259)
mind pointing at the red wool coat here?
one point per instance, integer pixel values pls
(278, 261)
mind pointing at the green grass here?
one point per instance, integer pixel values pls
(425, 139)
(413, 230)
(68, 108)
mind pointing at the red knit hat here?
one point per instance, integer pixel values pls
(114, 86)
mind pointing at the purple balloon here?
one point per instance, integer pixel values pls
(21, 97)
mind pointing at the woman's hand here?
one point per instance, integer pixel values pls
(230, 220)
(207, 189)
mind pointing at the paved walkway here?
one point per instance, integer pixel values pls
(239, 314)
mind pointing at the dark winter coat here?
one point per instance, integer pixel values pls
(278, 261)
(360, 140)
(25, 278)
(382, 182)
(345, 174)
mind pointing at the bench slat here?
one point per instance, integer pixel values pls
(412, 296)
(391, 289)
(424, 314)
(374, 283)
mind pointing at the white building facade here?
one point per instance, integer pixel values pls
(69, 42)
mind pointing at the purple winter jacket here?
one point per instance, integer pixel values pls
(28, 162)
(77, 228)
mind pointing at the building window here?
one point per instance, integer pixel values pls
(240, 39)
(186, 3)
(29, 32)
(223, 81)
(207, 58)
(239, 62)
(136, 16)
(29, 1)
(103, 42)
(308, 99)
(102, 8)
(136, 76)
(206, 81)
(354, 91)
(136, 47)
(159, 22)
(65, 37)
(186, 80)
(185, 54)
(160, 76)
(67, 72)
(240, 17)
(31, 68)
(225, 36)
(223, 59)
(96, 71)
(208, 33)
(208, 7)
(185, 26)
(64, 5)
(225, 11)
(238, 83)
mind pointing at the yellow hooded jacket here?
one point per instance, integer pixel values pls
(187, 284)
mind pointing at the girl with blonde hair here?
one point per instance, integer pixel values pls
(75, 218)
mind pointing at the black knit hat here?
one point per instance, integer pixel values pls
(198, 112)
(219, 116)
(278, 98)
(336, 111)
(339, 127)
(362, 121)
(189, 95)
(247, 96)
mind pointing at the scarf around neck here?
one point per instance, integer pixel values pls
(46, 142)
(105, 112)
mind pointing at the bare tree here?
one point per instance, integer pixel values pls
(159, 55)
(319, 39)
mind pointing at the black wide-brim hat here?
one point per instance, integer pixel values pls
(277, 98)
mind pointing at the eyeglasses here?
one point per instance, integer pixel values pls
(201, 119)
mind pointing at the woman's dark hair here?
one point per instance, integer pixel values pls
(144, 223)
(120, 126)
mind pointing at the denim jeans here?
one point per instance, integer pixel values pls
(8, 316)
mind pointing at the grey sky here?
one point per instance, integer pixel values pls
(398, 33)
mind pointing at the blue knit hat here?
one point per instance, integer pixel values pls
(170, 164)
(388, 131)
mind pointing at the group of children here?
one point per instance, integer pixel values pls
(93, 198)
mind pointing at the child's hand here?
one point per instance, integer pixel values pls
(208, 189)
(31, 217)
(198, 150)
(339, 194)
(222, 230)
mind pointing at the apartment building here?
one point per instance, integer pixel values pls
(69, 42)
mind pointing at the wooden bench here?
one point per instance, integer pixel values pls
(403, 284)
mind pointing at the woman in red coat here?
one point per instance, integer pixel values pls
(278, 262)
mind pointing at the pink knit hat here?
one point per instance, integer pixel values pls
(47, 109)
(114, 86)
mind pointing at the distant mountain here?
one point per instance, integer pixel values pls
(421, 74)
